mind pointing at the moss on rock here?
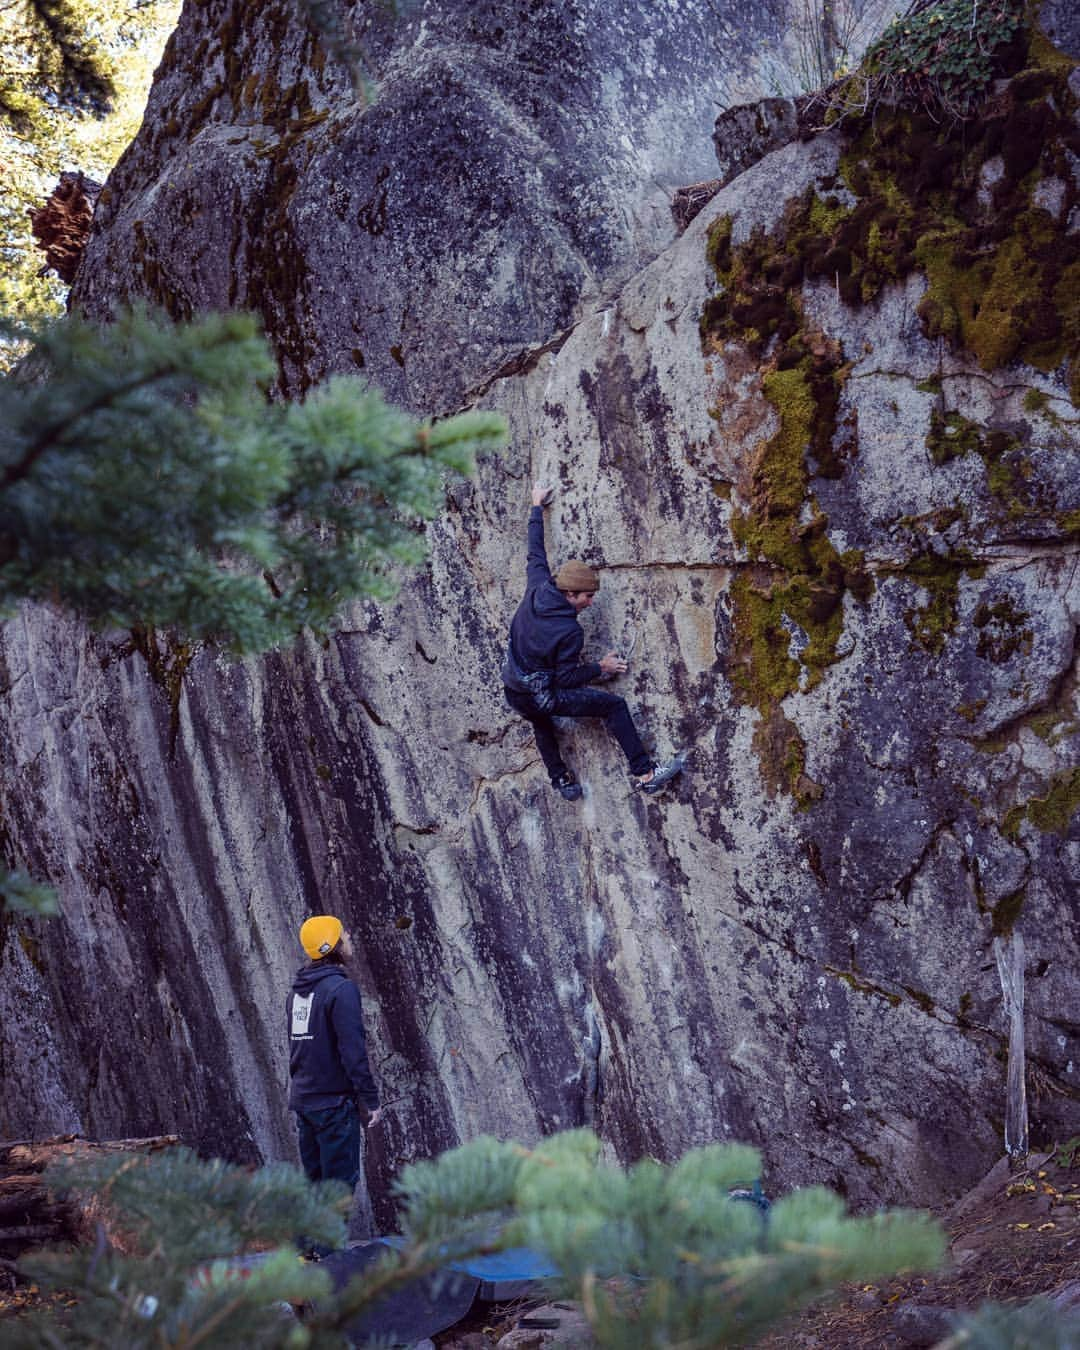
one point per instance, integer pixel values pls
(788, 610)
(939, 577)
(958, 203)
(961, 206)
(1051, 814)
(1003, 631)
(952, 435)
(1005, 913)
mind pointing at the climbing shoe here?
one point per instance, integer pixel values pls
(567, 786)
(662, 775)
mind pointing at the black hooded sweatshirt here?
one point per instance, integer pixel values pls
(327, 1055)
(545, 633)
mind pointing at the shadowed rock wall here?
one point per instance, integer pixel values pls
(794, 947)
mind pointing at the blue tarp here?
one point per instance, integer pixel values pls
(502, 1275)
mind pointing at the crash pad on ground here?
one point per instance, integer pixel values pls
(502, 1275)
(423, 1307)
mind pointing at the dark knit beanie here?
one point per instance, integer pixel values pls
(576, 576)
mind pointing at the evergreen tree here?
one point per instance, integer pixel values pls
(659, 1256)
(1038, 1325)
(74, 76)
(662, 1256)
(147, 481)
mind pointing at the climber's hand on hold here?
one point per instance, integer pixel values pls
(373, 1117)
(612, 665)
(542, 494)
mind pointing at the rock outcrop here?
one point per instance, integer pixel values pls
(837, 515)
(514, 163)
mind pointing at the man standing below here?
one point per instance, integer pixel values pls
(328, 1065)
(543, 666)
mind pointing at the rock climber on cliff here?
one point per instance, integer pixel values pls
(328, 1064)
(543, 676)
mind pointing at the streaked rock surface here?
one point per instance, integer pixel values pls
(814, 976)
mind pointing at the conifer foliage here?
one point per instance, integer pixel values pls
(156, 1280)
(663, 1256)
(74, 76)
(20, 893)
(659, 1256)
(147, 479)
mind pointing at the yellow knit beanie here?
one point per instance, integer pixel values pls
(576, 576)
(320, 935)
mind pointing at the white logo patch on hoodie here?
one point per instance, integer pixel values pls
(301, 1014)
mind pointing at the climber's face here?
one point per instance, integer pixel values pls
(580, 599)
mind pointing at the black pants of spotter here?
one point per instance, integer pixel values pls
(330, 1142)
(583, 702)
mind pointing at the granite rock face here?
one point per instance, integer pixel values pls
(749, 131)
(516, 160)
(1061, 23)
(794, 947)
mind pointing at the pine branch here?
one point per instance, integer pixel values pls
(167, 486)
(53, 435)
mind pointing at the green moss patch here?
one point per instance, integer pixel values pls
(167, 661)
(1052, 723)
(959, 205)
(1003, 631)
(956, 202)
(1005, 913)
(939, 577)
(1051, 814)
(1009, 470)
(920, 998)
(788, 608)
(858, 985)
(951, 436)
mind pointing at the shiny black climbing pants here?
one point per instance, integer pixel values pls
(583, 702)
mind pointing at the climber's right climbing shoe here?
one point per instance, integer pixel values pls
(662, 775)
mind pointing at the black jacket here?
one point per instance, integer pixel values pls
(545, 633)
(327, 1055)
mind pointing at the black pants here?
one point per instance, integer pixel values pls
(583, 702)
(330, 1143)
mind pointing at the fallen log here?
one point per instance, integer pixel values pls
(30, 1213)
(35, 1155)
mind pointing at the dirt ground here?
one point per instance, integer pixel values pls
(1017, 1234)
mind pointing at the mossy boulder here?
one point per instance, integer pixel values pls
(838, 537)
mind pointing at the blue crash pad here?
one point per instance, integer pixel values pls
(513, 1273)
